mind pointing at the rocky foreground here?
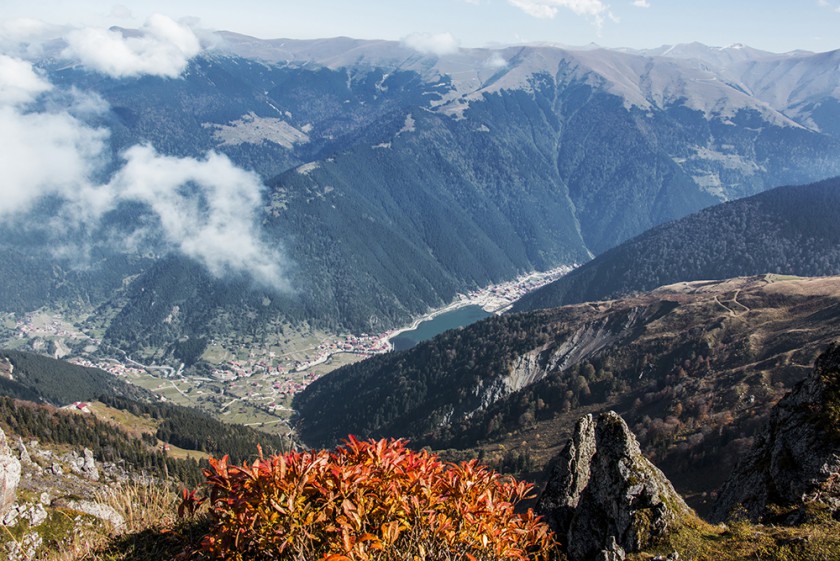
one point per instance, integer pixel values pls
(605, 499)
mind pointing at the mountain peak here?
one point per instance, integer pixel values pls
(603, 491)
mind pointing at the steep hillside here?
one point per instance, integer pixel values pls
(788, 230)
(693, 367)
(39, 378)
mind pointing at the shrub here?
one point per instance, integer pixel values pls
(368, 500)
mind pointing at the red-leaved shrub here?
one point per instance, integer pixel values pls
(368, 500)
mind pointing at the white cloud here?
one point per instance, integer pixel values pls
(208, 210)
(548, 9)
(52, 154)
(641, 3)
(19, 83)
(29, 38)
(162, 47)
(438, 44)
(495, 61)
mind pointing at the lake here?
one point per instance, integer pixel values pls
(459, 317)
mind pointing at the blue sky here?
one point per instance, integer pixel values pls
(775, 25)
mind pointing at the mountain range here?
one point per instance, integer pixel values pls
(396, 179)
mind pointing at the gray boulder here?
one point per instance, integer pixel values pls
(23, 452)
(795, 459)
(10, 471)
(604, 496)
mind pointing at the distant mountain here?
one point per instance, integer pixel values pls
(397, 179)
(694, 368)
(788, 230)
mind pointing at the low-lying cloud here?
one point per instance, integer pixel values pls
(48, 153)
(162, 47)
(19, 83)
(206, 208)
(495, 62)
(438, 44)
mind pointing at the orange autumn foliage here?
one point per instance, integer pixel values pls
(368, 500)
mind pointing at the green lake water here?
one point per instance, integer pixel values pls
(459, 317)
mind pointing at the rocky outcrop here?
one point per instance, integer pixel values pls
(795, 460)
(10, 471)
(604, 496)
(95, 509)
(83, 464)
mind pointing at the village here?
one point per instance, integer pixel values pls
(264, 378)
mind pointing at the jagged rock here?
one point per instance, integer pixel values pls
(25, 549)
(603, 491)
(83, 464)
(35, 514)
(116, 472)
(11, 516)
(10, 471)
(795, 459)
(56, 469)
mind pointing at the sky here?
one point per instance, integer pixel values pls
(773, 25)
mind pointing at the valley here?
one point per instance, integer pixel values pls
(254, 384)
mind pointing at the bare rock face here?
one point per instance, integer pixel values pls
(10, 471)
(603, 495)
(795, 460)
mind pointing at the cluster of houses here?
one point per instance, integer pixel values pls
(55, 327)
(111, 366)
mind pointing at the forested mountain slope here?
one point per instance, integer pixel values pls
(694, 367)
(788, 230)
(37, 378)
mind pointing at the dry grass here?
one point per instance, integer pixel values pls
(132, 424)
(145, 507)
(743, 540)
